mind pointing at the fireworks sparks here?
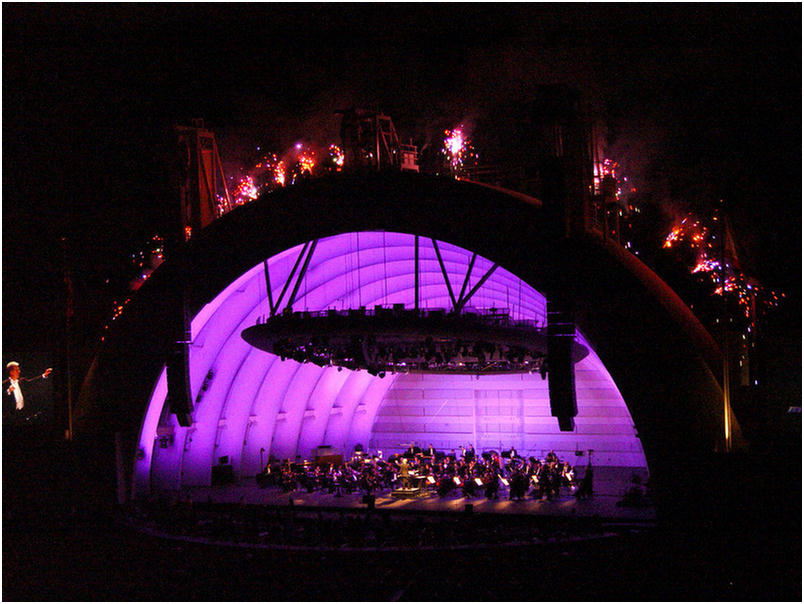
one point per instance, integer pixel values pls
(245, 191)
(336, 157)
(717, 264)
(270, 172)
(267, 174)
(454, 145)
(279, 172)
(693, 231)
(147, 260)
(458, 151)
(604, 174)
(307, 163)
(707, 265)
(117, 311)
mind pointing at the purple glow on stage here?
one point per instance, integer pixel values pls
(248, 400)
(142, 463)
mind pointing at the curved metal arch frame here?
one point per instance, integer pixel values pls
(635, 323)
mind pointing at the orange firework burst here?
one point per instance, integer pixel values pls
(307, 162)
(245, 191)
(336, 157)
(279, 173)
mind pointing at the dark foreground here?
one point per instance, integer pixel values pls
(62, 543)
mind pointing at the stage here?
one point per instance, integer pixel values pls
(610, 485)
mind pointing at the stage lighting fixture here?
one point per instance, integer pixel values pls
(403, 340)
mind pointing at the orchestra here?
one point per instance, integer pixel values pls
(424, 472)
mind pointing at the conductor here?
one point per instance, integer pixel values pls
(13, 384)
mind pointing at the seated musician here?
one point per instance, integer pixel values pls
(445, 484)
(492, 484)
(387, 473)
(469, 488)
(567, 475)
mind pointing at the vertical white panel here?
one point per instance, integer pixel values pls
(258, 427)
(319, 408)
(365, 412)
(286, 430)
(341, 414)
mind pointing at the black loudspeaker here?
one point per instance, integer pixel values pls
(560, 368)
(566, 423)
(179, 398)
(468, 508)
(369, 500)
(222, 475)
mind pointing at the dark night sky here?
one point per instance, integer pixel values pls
(701, 101)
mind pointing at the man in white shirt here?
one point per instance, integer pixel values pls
(14, 382)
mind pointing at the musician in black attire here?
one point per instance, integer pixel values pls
(492, 484)
(368, 480)
(469, 488)
(545, 477)
(585, 490)
(518, 485)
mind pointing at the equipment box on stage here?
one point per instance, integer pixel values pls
(325, 460)
(221, 475)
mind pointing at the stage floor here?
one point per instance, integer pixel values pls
(609, 487)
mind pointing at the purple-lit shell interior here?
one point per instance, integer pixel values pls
(249, 404)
